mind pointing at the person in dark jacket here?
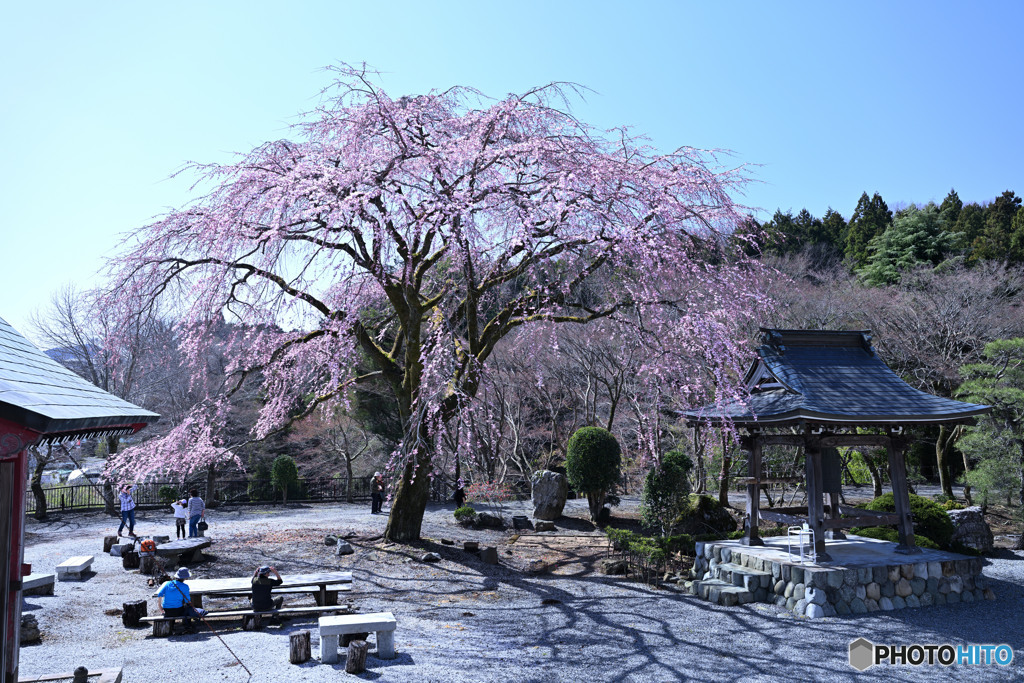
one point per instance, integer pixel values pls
(262, 585)
(376, 493)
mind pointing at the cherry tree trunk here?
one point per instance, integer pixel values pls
(409, 503)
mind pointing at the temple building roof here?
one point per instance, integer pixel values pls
(38, 393)
(829, 378)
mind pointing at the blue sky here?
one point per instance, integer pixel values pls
(102, 101)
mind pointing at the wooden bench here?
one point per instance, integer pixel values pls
(74, 567)
(251, 619)
(382, 623)
(38, 584)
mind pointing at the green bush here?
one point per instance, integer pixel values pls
(652, 549)
(592, 460)
(666, 491)
(930, 519)
(466, 513)
(167, 494)
(284, 475)
(884, 533)
(704, 515)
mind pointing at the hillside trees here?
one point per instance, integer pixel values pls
(411, 235)
(870, 219)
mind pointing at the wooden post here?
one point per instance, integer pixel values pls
(815, 507)
(898, 477)
(251, 622)
(833, 513)
(132, 612)
(298, 647)
(355, 663)
(108, 543)
(130, 559)
(752, 444)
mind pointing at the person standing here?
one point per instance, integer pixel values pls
(460, 494)
(376, 493)
(262, 585)
(127, 510)
(180, 508)
(196, 512)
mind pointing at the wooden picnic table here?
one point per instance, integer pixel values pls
(212, 587)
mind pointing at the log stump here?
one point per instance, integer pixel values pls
(298, 647)
(162, 629)
(133, 612)
(130, 559)
(355, 663)
(151, 565)
(251, 622)
(108, 543)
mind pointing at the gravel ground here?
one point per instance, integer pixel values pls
(461, 620)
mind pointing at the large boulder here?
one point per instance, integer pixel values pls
(971, 529)
(550, 490)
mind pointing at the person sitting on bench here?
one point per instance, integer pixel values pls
(262, 585)
(176, 599)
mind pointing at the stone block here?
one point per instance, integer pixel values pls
(921, 570)
(776, 571)
(956, 584)
(815, 595)
(948, 568)
(744, 597)
(550, 490)
(818, 579)
(847, 594)
(931, 585)
(790, 604)
(927, 599)
(835, 579)
(726, 555)
(698, 549)
(780, 587)
(967, 596)
(788, 592)
(842, 608)
(799, 590)
(917, 586)
(872, 605)
(850, 577)
(934, 570)
(913, 601)
(903, 588)
(939, 598)
(872, 591)
(944, 585)
(893, 573)
(864, 575)
(898, 602)
(886, 604)
(989, 594)
(888, 589)
(952, 598)
(761, 595)
(728, 599)
(830, 609)
(857, 606)
(980, 582)
(907, 571)
(860, 591)
(800, 607)
(797, 575)
(879, 575)
(968, 583)
(787, 570)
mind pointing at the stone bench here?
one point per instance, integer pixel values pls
(38, 584)
(382, 623)
(251, 620)
(74, 567)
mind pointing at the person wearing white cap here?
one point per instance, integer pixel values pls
(376, 493)
(176, 599)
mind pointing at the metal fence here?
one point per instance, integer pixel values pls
(225, 492)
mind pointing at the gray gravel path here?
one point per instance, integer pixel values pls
(460, 620)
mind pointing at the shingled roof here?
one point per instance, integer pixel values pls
(828, 377)
(44, 396)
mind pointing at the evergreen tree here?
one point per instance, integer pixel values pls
(996, 240)
(916, 237)
(869, 220)
(950, 208)
(970, 222)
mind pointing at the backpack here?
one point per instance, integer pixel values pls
(148, 547)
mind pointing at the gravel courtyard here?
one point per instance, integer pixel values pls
(462, 620)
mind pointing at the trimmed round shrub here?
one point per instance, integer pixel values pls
(884, 533)
(666, 492)
(465, 514)
(592, 460)
(704, 516)
(930, 519)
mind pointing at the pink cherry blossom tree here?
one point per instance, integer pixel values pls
(411, 235)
